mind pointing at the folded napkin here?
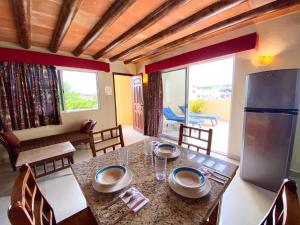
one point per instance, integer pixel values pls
(132, 204)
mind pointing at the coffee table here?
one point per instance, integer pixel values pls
(48, 159)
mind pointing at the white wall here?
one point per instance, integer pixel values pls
(279, 37)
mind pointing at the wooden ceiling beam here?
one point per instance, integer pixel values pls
(197, 17)
(146, 22)
(22, 15)
(241, 18)
(66, 16)
(111, 15)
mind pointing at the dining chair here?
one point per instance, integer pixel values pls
(109, 139)
(30, 207)
(195, 138)
(285, 209)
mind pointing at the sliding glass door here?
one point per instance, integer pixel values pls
(199, 96)
(210, 88)
(174, 94)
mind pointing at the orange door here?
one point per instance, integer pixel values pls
(138, 103)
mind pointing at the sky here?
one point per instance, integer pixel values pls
(82, 81)
(212, 73)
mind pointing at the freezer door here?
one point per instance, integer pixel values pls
(273, 89)
(268, 144)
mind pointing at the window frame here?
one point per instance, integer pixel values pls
(61, 88)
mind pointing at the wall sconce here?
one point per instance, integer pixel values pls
(145, 78)
(263, 60)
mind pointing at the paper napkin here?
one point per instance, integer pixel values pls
(131, 204)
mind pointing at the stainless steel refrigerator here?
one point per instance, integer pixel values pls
(269, 126)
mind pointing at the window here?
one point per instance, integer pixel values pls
(78, 90)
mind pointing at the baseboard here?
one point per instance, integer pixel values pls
(234, 157)
(295, 173)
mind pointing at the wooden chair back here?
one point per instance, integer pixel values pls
(109, 138)
(188, 134)
(28, 205)
(285, 209)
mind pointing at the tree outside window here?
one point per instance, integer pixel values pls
(79, 90)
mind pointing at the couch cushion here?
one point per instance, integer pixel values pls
(87, 126)
(74, 137)
(11, 139)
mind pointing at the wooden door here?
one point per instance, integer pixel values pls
(138, 103)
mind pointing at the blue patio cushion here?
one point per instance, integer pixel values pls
(170, 115)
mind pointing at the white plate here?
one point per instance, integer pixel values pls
(174, 154)
(201, 192)
(119, 186)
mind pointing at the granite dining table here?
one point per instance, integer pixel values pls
(165, 206)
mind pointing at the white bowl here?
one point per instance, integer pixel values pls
(188, 177)
(110, 175)
(125, 182)
(165, 150)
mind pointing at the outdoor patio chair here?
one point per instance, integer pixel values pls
(171, 116)
(213, 118)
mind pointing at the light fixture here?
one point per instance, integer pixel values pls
(145, 78)
(263, 60)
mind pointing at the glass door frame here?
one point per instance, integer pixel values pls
(187, 75)
(186, 98)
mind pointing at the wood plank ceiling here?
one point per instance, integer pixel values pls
(128, 30)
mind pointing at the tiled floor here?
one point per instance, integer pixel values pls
(243, 203)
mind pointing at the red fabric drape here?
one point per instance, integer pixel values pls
(25, 56)
(29, 95)
(154, 114)
(235, 45)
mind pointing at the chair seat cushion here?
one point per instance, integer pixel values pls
(83, 217)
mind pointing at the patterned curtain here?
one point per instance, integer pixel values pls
(154, 117)
(29, 95)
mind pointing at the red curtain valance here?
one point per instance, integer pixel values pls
(23, 56)
(235, 45)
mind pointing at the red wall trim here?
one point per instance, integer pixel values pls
(17, 55)
(235, 45)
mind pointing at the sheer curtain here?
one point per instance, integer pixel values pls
(29, 95)
(154, 113)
